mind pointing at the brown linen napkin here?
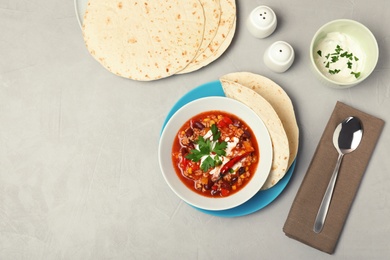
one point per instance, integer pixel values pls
(300, 220)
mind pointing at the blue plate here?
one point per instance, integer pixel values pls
(263, 197)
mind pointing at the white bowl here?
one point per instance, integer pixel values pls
(357, 33)
(209, 104)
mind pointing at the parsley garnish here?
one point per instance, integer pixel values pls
(207, 148)
(338, 49)
(219, 148)
(216, 133)
(335, 71)
(334, 57)
(207, 164)
(217, 160)
(357, 74)
(204, 149)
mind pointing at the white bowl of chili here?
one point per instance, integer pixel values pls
(215, 153)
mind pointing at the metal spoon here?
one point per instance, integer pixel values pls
(346, 138)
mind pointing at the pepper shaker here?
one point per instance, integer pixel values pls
(279, 56)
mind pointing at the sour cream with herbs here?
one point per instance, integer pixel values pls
(339, 58)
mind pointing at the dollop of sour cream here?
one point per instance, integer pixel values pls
(339, 58)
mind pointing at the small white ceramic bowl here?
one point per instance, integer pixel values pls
(360, 35)
(209, 104)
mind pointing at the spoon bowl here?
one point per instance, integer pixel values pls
(346, 138)
(347, 135)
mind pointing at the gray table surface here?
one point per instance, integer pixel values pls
(79, 175)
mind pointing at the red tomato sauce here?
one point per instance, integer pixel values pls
(215, 154)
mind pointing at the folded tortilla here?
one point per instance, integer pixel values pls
(271, 120)
(278, 99)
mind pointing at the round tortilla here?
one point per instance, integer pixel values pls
(144, 40)
(278, 99)
(275, 128)
(212, 13)
(223, 37)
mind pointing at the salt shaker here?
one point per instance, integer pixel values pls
(261, 22)
(279, 56)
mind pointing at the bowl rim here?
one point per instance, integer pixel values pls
(182, 191)
(347, 21)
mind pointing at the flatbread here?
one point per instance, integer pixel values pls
(144, 40)
(278, 99)
(223, 37)
(212, 13)
(275, 128)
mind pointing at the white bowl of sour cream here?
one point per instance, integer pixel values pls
(343, 53)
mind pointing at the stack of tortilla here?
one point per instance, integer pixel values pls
(275, 108)
(150, 40)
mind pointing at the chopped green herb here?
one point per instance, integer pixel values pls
(338, 49)
(217, 160)
(207, 147)
(335, 71)
(204, 149)
(216, 133)
(357, 74)
(207, 164)
(219, 148)
(335, 56)
(335, 59)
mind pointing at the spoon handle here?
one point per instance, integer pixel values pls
(323, 210)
